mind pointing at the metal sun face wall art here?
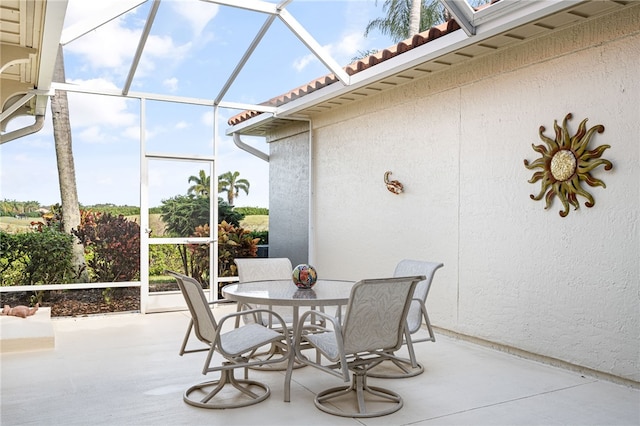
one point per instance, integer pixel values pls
(566, 163)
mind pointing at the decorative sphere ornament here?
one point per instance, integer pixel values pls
(304, 276)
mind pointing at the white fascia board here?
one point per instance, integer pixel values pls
(515, 12)
(392, 66)
(53, 22)
(520, 12)
(101, 17)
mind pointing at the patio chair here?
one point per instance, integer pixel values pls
(397, 368)
(265, 269)
(236, 346)
(372, 330)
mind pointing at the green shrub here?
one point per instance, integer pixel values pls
(32, 258)
(227, 213)
(163, 257)
(263, 236)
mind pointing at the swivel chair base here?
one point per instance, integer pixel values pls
(249, 392)
(364, 396)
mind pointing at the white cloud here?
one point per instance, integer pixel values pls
(164, 47)
(78, 10)
(87, 110)
(171, 84)
(301, 63)
(182, 125)
(196, 13)
(131, 132)
(112, 46)
(207, 118)
(348, 46)
(341, 51)
(93, 134)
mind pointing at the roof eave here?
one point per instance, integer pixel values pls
(500, 17)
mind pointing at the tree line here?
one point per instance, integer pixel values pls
(229, 183)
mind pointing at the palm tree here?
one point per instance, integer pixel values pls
(229, 183)
(406, 18)
(66, 168)
(201, 185)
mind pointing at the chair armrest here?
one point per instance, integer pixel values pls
(337, 334)
(332, 319)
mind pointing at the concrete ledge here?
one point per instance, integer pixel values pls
(33, 333)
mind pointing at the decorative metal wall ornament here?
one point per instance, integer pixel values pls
(393, 185)
(566, 163)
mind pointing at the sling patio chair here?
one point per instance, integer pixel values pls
(236, 346)
(371, 330)
(266, 269)
(396, 368)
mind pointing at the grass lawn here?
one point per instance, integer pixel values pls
(13, 225)
(255, 223)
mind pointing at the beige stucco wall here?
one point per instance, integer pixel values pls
(515, 273)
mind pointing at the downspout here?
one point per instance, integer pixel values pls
(251, 150)
(312, 224)
(24, 131)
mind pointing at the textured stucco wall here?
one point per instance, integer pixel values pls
(515, 274)
(289, 194)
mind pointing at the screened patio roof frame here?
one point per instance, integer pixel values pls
(477, 26)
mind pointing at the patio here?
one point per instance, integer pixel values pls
(122, 369)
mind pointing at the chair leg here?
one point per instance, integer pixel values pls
(412, 353)
(432, 336)
(246, 396)
(274, 350)
(186, 338)
(399, 368)
(363, 400)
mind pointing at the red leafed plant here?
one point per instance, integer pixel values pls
(112, 246)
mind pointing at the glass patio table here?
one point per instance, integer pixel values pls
(285, 293)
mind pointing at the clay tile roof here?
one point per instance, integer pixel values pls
(360, 65)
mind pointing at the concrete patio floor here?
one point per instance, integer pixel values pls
(124, 369)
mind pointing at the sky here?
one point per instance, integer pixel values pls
(192, 50)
